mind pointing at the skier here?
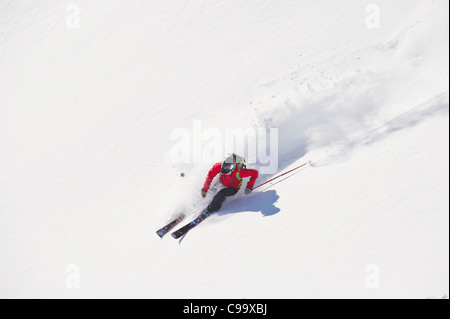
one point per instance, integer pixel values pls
(232, 171)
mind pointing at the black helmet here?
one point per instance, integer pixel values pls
(228, 165)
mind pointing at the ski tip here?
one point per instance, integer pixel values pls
(159, 234)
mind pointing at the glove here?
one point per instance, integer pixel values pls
(248, 191)
(203, 192)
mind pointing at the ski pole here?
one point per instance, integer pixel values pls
(280, 176)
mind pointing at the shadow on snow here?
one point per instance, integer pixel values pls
(258, 202)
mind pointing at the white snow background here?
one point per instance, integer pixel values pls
(90, 92)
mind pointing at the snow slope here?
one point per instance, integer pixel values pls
(90, 93)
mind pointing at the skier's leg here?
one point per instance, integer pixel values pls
(220, 197)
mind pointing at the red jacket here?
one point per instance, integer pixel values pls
(231, 180)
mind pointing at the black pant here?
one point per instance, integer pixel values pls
(218, 200)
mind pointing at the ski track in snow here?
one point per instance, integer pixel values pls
(86, 114)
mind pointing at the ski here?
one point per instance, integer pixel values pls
(169, 226)
(184, 230)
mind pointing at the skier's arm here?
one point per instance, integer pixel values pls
(253, 174)
(213, 172)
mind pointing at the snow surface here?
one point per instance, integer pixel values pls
(90, 92)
